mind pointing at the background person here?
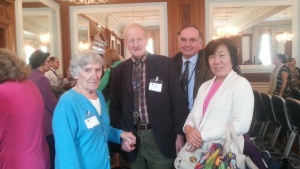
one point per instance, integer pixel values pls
(146, 99)
(190, 41)
(58, 84)
(294, 73)
(111, 59)
(81, 123)
(22, 138)
(219, 100)
(280, 77)
(40, 63)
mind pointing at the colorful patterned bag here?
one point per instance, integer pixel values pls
(217, 157)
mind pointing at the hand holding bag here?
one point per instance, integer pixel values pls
(242, 160)
(204, 160)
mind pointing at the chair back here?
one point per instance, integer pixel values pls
(259, 108)
(280, 111)
(268, 105)
(293, 107)
(295, 93)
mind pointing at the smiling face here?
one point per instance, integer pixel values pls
(189, 42)
(88, 78)
(136, 41)
(220, 62)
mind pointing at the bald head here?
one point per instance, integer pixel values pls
(136, 40)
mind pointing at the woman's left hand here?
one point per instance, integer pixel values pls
(128, 141)
(193, 137)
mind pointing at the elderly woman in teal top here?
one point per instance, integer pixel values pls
(81, 123)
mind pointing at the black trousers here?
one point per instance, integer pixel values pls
(51, 144)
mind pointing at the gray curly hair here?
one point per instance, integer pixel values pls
(83, 59)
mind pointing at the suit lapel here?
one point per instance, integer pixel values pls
(128, 76)
(150, 69)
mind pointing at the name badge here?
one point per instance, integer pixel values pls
(155, 85)
(91, 122)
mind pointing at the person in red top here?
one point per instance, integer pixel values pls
(22, 138)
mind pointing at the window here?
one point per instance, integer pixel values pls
(28, 51)
(265, 50)
(149, 47)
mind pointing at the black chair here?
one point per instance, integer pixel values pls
(295, 93)
(268, 105)
(260, 113)
(282, 117)
(293, 108)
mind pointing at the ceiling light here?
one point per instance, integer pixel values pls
(226, 31)
(88, 1)
(83, 46)
(45, 38)
(284, 37)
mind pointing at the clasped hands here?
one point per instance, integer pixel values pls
(193, 138)
(128, 141)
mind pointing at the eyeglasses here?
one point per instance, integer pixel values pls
(47, 61)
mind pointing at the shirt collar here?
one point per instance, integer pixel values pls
(192, 60)
(143, 58)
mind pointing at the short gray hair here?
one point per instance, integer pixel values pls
(83, 59)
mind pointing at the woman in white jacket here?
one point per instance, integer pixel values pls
(227, 98)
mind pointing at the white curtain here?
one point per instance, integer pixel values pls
(258, 32)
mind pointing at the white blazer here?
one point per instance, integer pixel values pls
(232, 103)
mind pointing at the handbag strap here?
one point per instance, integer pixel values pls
(230, 132)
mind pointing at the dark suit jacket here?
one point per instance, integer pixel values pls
(167, 109)
(202, 71)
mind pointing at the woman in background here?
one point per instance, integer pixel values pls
(280, 77)
(295, 74)
(22, 138)
(40, 63)
(111, 59)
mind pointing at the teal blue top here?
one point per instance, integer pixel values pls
(76, 145)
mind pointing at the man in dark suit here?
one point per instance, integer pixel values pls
(190, 43)
(146, 99)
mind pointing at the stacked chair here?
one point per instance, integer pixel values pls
(260, 113)
(295, 93)
(268, 105)
(282, 117)
(293, 107)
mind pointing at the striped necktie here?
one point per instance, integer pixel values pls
(185, 80)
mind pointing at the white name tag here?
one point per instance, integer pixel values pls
(91, 122)
(155, 85)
